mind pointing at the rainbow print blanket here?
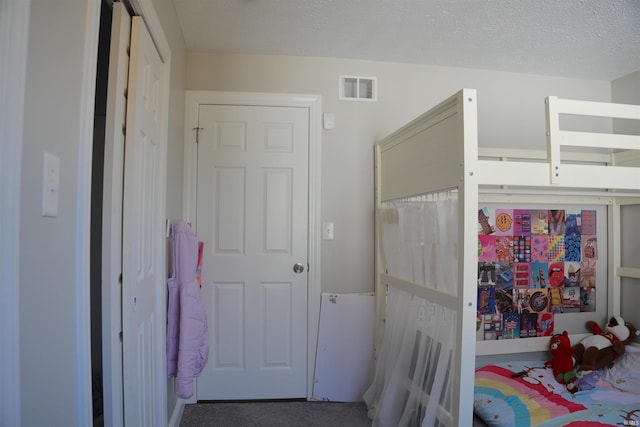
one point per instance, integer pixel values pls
(610, 397)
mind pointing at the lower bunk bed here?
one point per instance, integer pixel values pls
(431, 183)
(525, 393)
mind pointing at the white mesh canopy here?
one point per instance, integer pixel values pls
(411, 386)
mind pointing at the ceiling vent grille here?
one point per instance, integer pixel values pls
(358, 88)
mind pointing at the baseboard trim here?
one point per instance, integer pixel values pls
(176, 414)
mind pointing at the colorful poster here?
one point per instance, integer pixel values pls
(528, 325)
(555, 299)
(504, 249)
(532, 264)
(486, 248)
(504, 222)
(546, 324)
(572, 274)
(521, 249)
(556, 248)
(573, 224)
(556, 274)
(539, 275)
(538, 300)
(486, 300)
(539, 248)
(521, 301)
(504, 275)
(588, 300)
(522, 222)
(572, 248)
(589, 247)
(556, 222)
(522, 275)
(588, 273)
(588, 218)
(484, 225)
(504, 300)
(492, 326)
(510, 326)
(486, 274)
(540, 222)
(571, 300)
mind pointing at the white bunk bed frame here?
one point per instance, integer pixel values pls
(438, 151)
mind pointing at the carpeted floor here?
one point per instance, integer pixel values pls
(275, 414)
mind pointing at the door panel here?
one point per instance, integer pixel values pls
(252, 214)
(143, 233)
(112, 215)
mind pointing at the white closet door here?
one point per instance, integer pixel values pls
(144, 275)
(112, 215)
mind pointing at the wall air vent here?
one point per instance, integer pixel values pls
(358, 88)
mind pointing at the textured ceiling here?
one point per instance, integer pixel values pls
(590, 39)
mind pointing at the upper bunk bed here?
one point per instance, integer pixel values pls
(438, 152)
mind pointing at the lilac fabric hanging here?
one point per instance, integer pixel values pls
(187, 337)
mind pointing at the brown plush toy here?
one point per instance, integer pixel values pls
(600, 349)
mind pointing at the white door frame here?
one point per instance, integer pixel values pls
(14, 33)
(314, 103)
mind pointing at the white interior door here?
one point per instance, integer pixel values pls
(144, 271)
(252, 214)
(112, 215)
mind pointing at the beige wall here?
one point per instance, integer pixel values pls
(175, 152)
(510, 110)
(49, 265)
(626, 90)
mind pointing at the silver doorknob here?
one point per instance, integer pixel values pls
(298, 267)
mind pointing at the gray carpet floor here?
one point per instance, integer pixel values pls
(275, 414)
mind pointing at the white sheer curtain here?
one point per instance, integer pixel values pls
(419, 241)
(411, 384)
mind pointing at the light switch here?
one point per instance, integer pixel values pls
(50, 184)
(327, 231)
(329, 120)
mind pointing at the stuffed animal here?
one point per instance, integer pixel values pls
(600, 349)
(562, 360)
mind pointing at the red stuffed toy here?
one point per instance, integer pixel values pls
(562, 360)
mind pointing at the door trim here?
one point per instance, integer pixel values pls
(312, 102)
(113, 403)
(83, 216)
(14, 34)
(147, 11)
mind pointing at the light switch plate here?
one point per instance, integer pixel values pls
(329, 120)
(327, 230)
(50, 184)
